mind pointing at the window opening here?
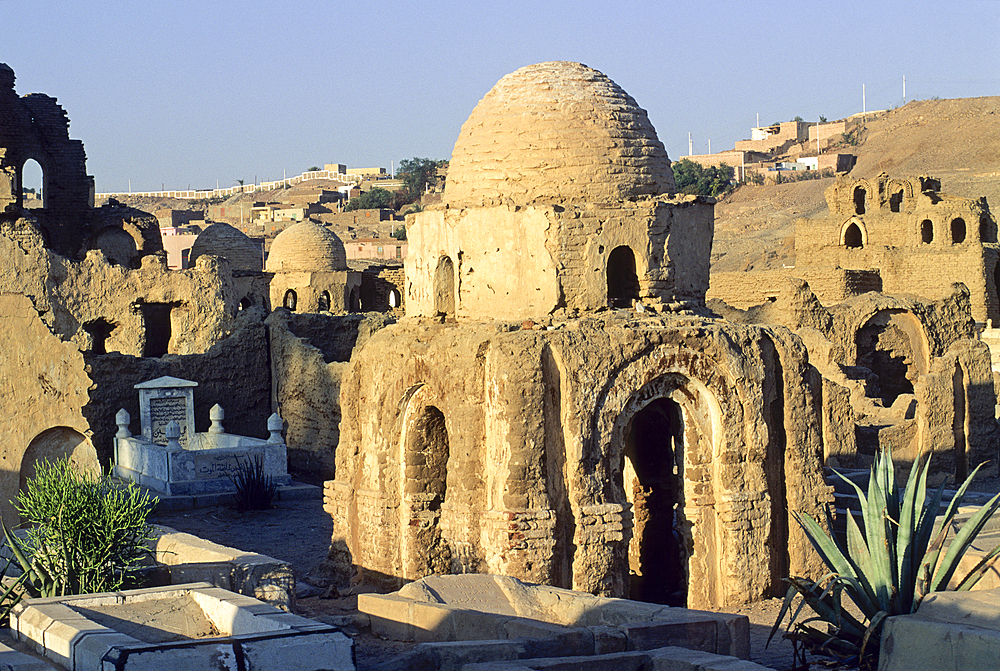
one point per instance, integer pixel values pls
(926, 231)
(957, 231)
(291, 300)
(853, 238)
(859, 200)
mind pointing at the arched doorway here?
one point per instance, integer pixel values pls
(444, 287)
(425, 484)
(623, 283)
(354, 300)
(59, 442)
(652, 476)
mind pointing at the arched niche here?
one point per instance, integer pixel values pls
(59, 442)
(444, 287)
(423, 482)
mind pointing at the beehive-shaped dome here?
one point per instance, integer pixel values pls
(223, 240)
(306, 247)
(556, 132)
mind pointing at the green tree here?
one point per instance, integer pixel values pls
(419, 173)
(375, 199)
(313, 168)
(695, 179)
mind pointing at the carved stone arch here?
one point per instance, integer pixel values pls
(899, 195)
(853, 234)
(702, 401)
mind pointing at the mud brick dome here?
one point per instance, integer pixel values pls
(221, 239)
(306, 247)
(556, 132)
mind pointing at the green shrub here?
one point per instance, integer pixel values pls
(254, 488)
(83, 533)
(888, 568)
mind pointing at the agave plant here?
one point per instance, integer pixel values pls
(888, 568)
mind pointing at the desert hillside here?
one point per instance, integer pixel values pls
(957, 141)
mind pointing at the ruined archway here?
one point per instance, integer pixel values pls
(623, 283)
(444, 287)
(424, 484)
(652, 475)
(896, 200)
(57, 443)
(891, 345)
(859, 199)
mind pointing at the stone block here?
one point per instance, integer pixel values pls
(331, 651)
(389, 615)
(916, 643)
(694, 634)
(90, 648)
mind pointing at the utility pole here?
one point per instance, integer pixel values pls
(864, 103)
(709, 145)
(904, 89)
(690, 146)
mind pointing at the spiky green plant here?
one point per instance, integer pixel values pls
(83, 534)
(888, 568)
(255, 489)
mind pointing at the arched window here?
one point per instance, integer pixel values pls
(395, 300)
(859, 199)
(444, 287)
(957, 231)
(32, 181)
(853, 238)
(245, 303)
(290, 300)
(926, 231)
(896, 201)
(623, 283)
(323, 304)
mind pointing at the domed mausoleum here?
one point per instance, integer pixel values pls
(511, 423)
(309, 263)
(559, 194)
(221, 239)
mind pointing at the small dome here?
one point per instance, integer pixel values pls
(306, 247)
(556, 132)
(223, 240)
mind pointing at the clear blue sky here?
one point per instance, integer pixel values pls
(193, 93)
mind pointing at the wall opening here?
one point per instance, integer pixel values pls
(926, 231)
(100, 330)
(157, 324)
(444, 287)
(291, 300)
(653, 481)
(896, 201)
(354, 300)
(623, 283)
(323, 302)
(957, 230)
(853, 238)
(395, 300)
(987, 228)
(245, 303)
(32, 181)
(960, 424)
(859, 199)
(368, 295)
(426, 473)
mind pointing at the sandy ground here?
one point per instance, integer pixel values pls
(299, 532)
